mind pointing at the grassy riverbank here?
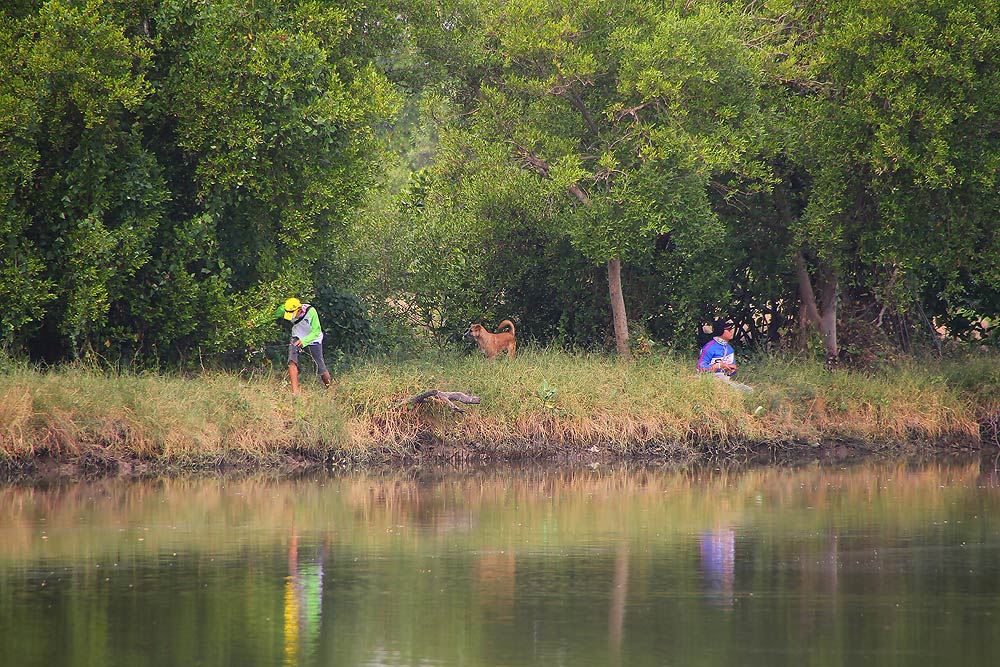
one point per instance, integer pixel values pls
(543, 404)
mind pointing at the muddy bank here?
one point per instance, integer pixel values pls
(91, 461)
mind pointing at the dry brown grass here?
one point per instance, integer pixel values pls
(552, 400)
(214, 417)
(542, 403)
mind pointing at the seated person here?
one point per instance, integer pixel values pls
(717, 356)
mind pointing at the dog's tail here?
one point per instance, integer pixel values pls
(507, 323)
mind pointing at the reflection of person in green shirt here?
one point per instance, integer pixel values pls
(310, 591)
(303, 603)
(306, 334)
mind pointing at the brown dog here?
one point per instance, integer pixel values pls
(492, 344)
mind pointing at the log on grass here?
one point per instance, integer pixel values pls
(449, 397)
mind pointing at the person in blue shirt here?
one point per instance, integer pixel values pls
(718, 356)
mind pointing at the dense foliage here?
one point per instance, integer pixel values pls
(174, 168)
(173, 162)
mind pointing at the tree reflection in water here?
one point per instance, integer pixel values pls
(505, 566)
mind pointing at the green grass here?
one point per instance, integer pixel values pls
(210, 418)
(544, 403)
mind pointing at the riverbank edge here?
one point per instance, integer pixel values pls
(94, 461)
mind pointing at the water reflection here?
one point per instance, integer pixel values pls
(718, 562)
(303, 601)
(496, 579)
(616, 611)
(875, 563)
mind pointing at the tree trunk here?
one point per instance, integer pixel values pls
(822, 313)
(618, 315)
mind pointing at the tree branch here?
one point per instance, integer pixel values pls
(529, 160)
(566, 89)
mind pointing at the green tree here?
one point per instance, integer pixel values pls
(80, 192)
(274, 125)
(173, 163)
(624, 114)
(888, 167)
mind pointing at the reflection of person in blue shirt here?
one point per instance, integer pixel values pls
(717, 356)
(718, 559)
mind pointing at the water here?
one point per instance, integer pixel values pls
(871, 564)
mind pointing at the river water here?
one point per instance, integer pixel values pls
(865, 564)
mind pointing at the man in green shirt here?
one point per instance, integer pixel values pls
(306, 334)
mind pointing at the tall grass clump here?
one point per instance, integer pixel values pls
(549, 400)
(905, 402)
(977, 376)
(544, 403)
(213, 417)
(545, 400)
